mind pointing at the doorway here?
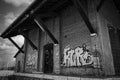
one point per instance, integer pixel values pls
(114, 34)
(48, 58)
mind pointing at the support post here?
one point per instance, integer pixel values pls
(43, 27)
(79, 7)
(16, 45)
(101, 41)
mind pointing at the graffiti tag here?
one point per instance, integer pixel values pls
(79, 56)
(32, 59)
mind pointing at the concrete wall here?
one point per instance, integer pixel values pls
(31, 53)
(102, 40)
(110, 13)
(20, 57)
(74, 34)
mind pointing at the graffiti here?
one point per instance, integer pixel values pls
(80, 56)
(32, 59)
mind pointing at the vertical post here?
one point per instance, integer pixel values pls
(56, 56)
(101, 41)
(39, 53)
(25, 55)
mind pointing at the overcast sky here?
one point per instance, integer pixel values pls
(9, 11)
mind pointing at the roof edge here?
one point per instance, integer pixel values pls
(22, 17)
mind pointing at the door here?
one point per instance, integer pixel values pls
(115, 46)
(48, 58)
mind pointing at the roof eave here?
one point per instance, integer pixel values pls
(20, 19)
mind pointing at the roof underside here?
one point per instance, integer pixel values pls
(39, 7)
(25, 21)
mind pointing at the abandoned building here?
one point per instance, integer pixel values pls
(68, 37)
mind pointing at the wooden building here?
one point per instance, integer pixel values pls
(70, 37)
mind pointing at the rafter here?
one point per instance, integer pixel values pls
(16, 45)
(79, 7)
(29, 41)
(44, 28)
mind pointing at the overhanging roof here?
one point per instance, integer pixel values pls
(25, 21)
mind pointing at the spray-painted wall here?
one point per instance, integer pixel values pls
(31, 53)
(74, 55)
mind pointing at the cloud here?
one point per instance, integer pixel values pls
(18, 3)
(19, 40)
(8, 47)
(8, 50)
(9, 18)
(4, 46)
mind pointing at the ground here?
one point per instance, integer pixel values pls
(6, 72)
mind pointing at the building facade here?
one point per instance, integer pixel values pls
(70, 37)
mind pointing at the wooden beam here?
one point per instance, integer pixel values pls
(16, 45)
(29, 41)
(79, 7)
(18, 51)
(100, 4)
(44, 28)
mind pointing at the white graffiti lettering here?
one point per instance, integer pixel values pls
(32, 59)
(80, 56)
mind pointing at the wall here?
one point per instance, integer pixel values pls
(53, 26)
(20, 57)
(76, 55)
(31, 53)
(101, 40)
(109, 11)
